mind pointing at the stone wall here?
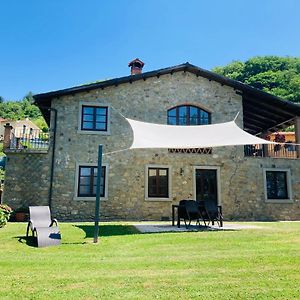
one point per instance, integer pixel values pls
(241, 179)
(27, 179)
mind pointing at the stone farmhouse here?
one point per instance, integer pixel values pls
(20, 127)
(251, 182)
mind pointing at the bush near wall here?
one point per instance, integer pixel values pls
(5, 212)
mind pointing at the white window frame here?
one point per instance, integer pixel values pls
(96, 104)
(78, 198)
(147, 198)
(218, 169)
(289, 186)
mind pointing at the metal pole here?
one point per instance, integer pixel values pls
(97, 208)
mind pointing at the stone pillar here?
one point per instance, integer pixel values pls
(7, 135)
(297, 135)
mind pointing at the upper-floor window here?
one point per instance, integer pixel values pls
(94, 118)
(188, 115)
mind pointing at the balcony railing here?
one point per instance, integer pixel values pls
(34, 139)
(281, 151)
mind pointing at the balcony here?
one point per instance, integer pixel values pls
(33, 140)
(276, 151)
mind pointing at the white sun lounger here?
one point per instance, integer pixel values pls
(41, 225)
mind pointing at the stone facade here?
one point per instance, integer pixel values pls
(241, 183)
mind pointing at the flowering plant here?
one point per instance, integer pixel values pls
(5, 212)
(279, 138)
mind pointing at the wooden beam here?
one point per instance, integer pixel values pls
(269, 107)
(254, 121)
(254, 127)
(265, 112)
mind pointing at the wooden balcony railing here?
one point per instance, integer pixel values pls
(279, 150)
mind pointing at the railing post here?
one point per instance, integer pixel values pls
(297, 135)
(7, 136)
(265, 147)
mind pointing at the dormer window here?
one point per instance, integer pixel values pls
(188, 115)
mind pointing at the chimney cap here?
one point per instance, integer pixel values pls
(136, 61)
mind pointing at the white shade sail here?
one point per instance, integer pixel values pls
(149, 135)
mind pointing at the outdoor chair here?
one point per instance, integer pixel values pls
(41, 226)
(213, 213)
(189, 211)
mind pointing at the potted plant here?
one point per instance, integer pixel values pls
(5, 212)
(21, 213)
(279, 138)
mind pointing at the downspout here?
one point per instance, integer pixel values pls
(53, 155)
(52, 160)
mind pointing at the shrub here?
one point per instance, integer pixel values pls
(5, 212)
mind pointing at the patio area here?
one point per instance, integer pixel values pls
(152, 227)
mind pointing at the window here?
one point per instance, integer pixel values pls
(188, 115)
(158, 182)
(87, 181)
(277, 185)
(94, 118)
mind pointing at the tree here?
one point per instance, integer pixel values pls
(18, 110)
(279, 76)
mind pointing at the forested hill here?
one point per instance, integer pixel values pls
(279, 76)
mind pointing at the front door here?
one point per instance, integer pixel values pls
(206, 185)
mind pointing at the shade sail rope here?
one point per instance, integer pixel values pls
(117, 151)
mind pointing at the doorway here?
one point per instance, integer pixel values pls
(207, 184)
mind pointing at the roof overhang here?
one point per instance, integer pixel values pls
(262, 111)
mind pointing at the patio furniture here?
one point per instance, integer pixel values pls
(41, 225)
(211, 212)
(188, 210)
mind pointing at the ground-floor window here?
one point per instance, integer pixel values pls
(277, 184)
(157, 182)
(86, 182)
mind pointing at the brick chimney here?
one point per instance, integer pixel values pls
(136, 66)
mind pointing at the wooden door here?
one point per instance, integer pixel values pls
(206, 185)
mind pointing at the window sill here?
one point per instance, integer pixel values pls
(280, 201)
(94, 132)
(89, 199)
(158, 199)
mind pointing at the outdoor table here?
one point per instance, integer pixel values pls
(176, 206)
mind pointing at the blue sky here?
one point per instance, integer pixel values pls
(54, 44)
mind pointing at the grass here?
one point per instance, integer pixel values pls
(248, 264)
(1, 149)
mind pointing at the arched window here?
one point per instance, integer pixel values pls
(188, 115)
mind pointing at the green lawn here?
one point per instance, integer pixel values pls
(248, 264)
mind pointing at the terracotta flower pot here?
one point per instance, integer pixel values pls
(20, 217)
